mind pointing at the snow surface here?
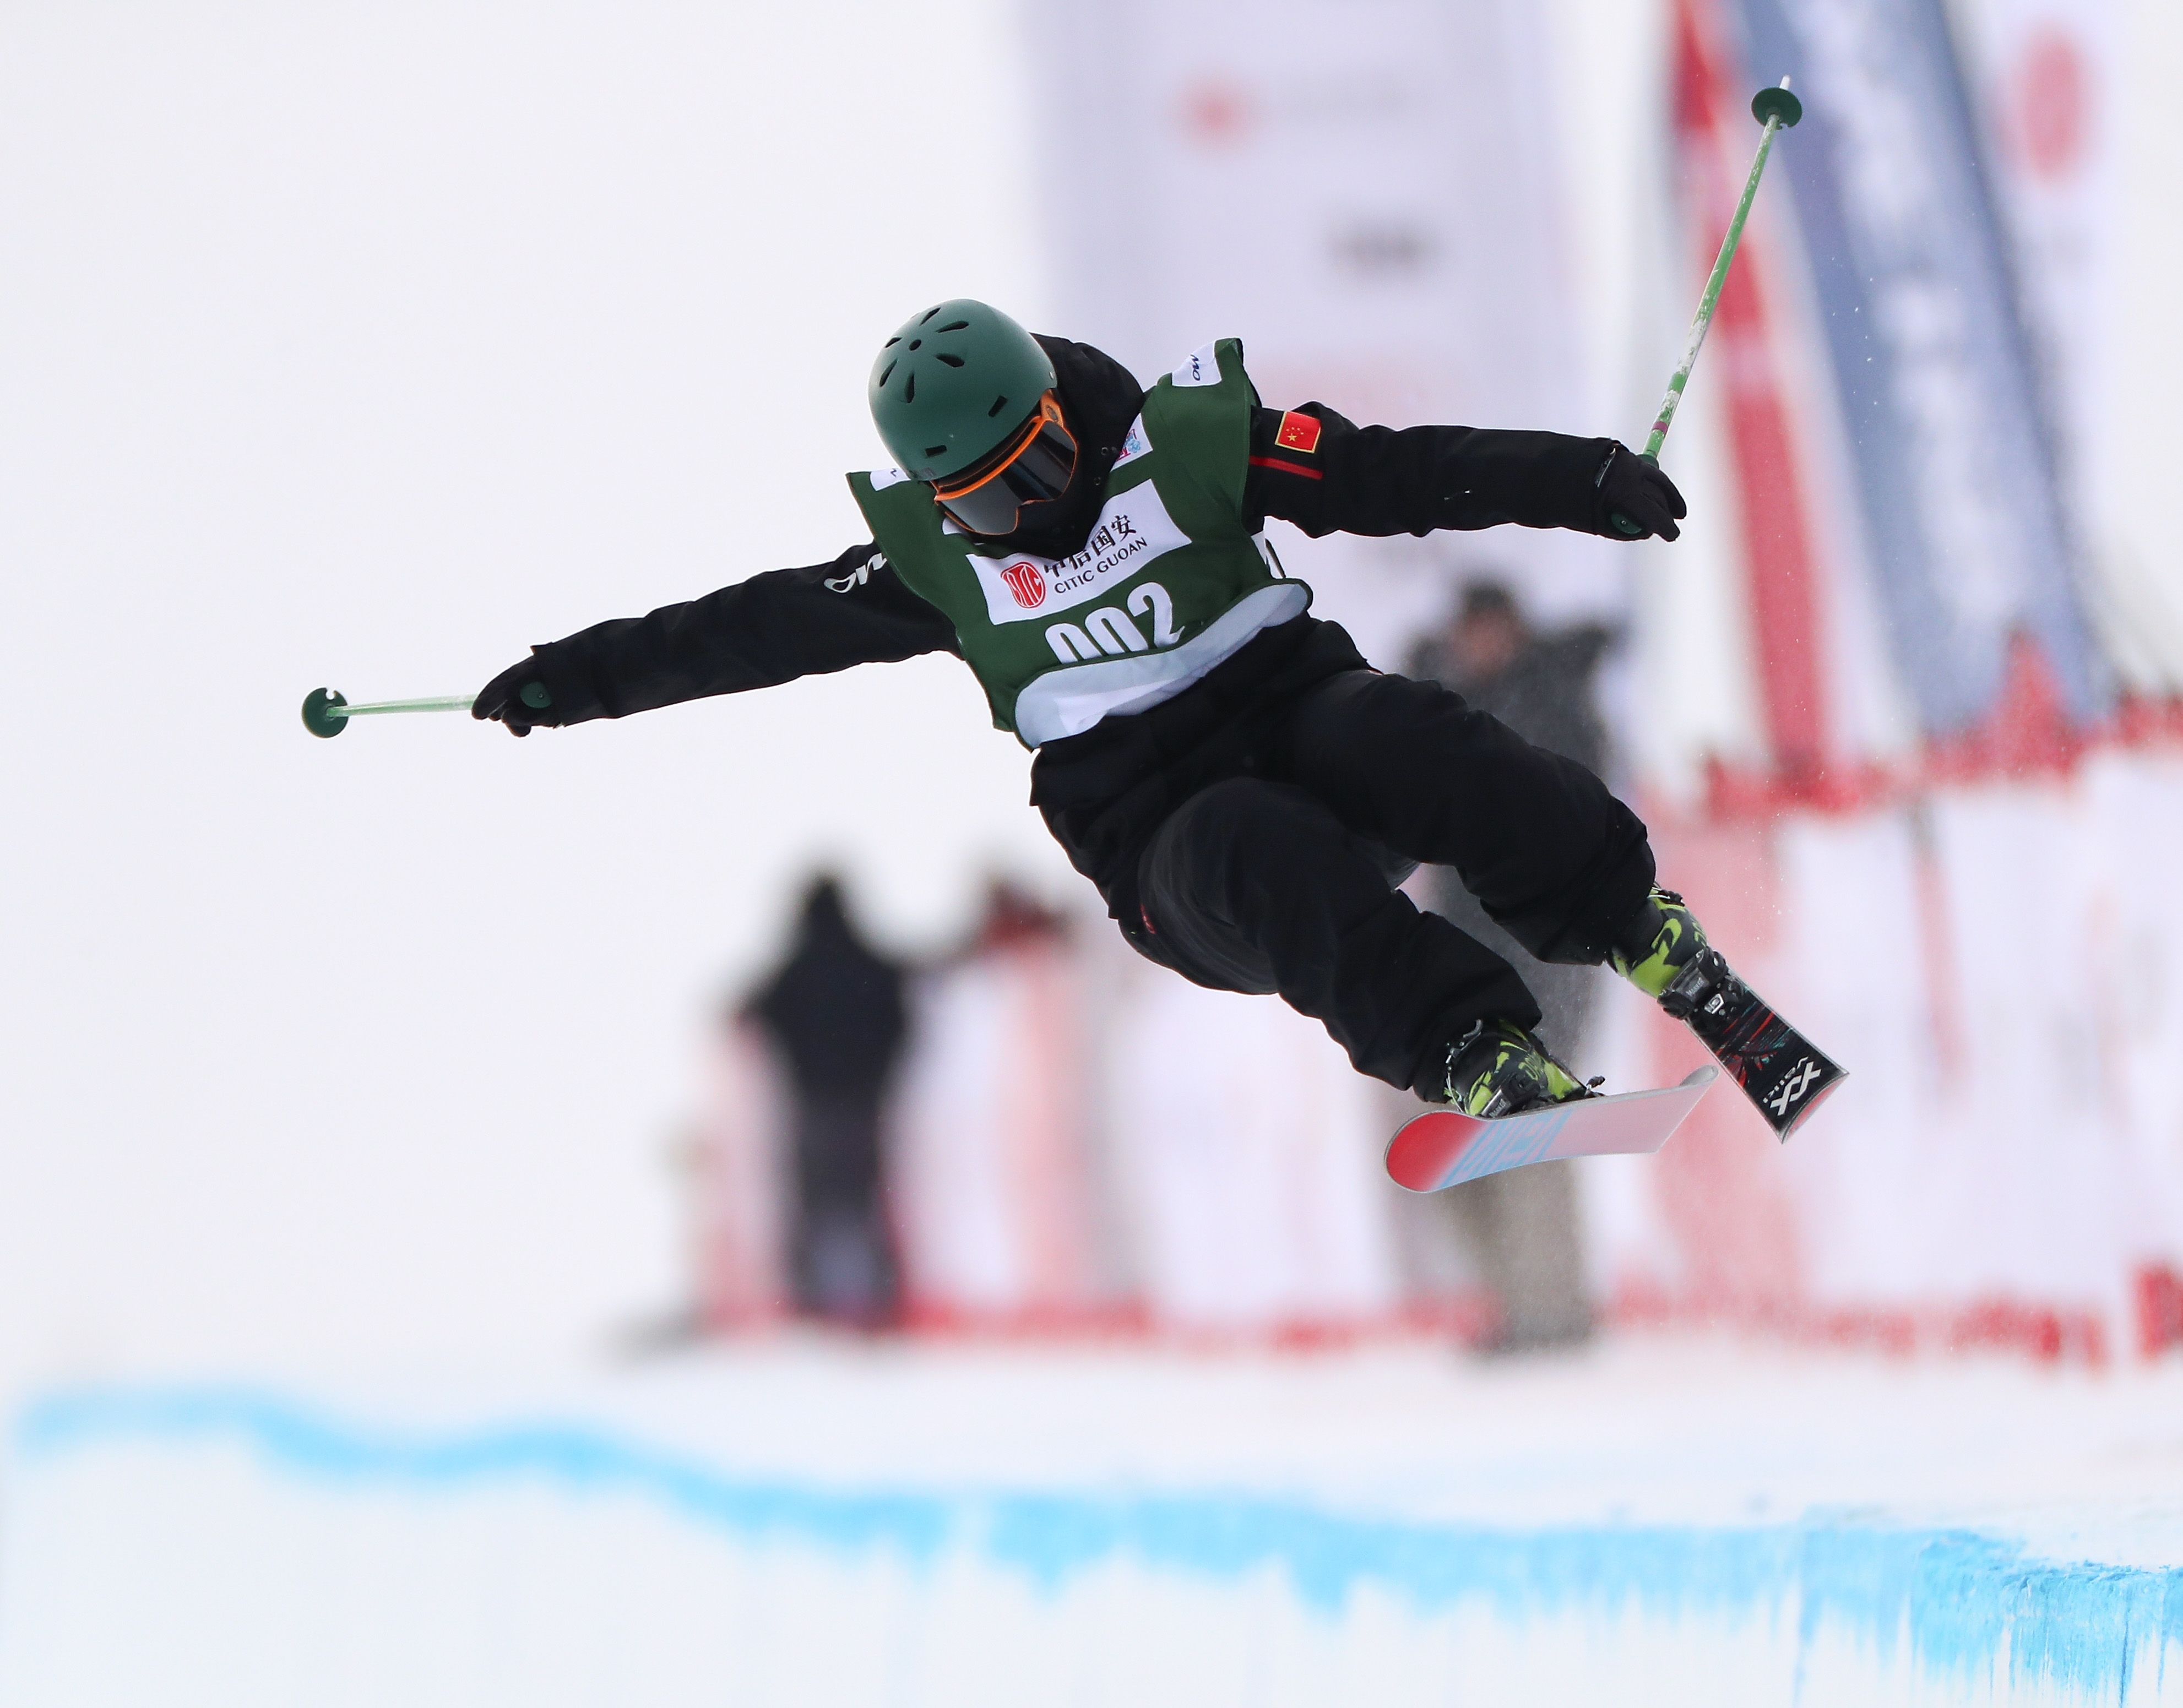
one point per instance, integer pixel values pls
(814, 1521)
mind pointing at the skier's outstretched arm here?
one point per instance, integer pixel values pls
(758, 634)
(1316, 469)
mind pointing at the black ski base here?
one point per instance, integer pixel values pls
(1782, 1072)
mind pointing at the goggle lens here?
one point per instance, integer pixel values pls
(1036, 471)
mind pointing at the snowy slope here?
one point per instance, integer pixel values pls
(810, 1523)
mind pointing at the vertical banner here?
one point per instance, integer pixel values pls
(2052, 79)
(1367, 192)
(1714, 138)
(2042, 72)
(1971, 542)
(1368, 196)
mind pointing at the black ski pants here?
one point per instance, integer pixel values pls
(1283, 879)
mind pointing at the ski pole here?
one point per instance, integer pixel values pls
(1777, 109)
(326, 713)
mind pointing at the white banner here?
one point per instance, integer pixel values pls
(2050, 82)
(1374, 209)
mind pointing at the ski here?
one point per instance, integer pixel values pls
(1445, 1147)
(1782, 1072)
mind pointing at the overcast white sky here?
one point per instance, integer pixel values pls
(363, 346)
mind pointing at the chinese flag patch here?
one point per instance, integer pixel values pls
(1298, 432)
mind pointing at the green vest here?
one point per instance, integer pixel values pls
(1169, 583)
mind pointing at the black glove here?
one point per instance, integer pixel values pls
(518, 698)
(1633, 499)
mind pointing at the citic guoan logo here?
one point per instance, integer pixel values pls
(1027, 584)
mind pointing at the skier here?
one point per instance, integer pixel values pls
(1245, 790)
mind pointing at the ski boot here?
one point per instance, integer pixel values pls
(1499, 1068)
(1664, 953)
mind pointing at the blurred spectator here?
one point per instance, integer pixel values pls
(1523, 1225)
(1001, 1219)
(835, 1011)
(1014, 919)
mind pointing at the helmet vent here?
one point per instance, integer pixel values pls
(909, 391)
(886, 373)
(951, 361)
(891, 342)
(936, 450)
(932, 311)
(953, 326)
(1000, 403)
(916, 343)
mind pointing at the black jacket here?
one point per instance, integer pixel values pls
(1102, 792)
(835, 1006)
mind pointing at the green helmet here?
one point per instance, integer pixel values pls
(953, 385)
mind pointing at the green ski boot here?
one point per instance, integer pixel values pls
(1499, 1068)
(1662, 942)
(1664, 953)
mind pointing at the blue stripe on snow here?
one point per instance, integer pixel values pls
(1963, 1599)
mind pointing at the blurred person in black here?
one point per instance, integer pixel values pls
(835, 1010)
(1523, 1225)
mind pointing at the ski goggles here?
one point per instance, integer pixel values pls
(1033, 468)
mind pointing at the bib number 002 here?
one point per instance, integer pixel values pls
(1110, 632)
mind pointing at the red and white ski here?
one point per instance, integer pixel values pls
(1444, 1147)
